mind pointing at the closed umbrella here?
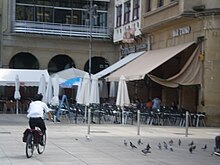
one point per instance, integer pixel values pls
(42, 87)
(55, 84)
(112, 90)
(122, 95)
(49, 92)
(84, 92)
(103, 89)
(94, 93)
(17, 95)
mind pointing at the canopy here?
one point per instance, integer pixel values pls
(70, 73)
(119, 64)
(27, 77)
(71, 82)
(190, 74)
(139, 67)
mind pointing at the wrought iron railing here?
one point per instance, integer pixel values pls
(61, 29)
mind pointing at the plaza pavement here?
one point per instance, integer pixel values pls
(67, 144)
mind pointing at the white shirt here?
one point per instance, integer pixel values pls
(37, 109)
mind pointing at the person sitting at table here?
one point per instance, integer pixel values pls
(174, 107)
(149, 104)
(156, 103)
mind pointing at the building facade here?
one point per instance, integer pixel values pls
(169, 23)
(55, 35)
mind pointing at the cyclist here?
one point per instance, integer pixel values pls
(36, 113)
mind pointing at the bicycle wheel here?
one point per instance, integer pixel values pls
(30, 145)
(41, 147)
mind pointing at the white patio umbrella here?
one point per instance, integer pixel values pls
(17, 95)
(84, 92)
(55, 84)
(122, 95)
(103, 89)
(112, 90)
(42, 87)
(94, 93)
(49, 92)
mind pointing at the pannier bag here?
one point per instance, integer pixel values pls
(38, 136)
(25, 134)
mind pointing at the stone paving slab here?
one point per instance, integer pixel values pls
(67, 144)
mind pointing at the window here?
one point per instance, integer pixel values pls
(136, 9)
(25, 13)
(44, 14)
(62, 16)
(127, 7)
(148, 5)
(159, 3)
(118, 16)
(61, 11)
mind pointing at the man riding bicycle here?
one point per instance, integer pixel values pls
(36, 113)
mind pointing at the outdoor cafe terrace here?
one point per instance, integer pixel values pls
(113, 114)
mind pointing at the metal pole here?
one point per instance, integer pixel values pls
(138, 122)
(90, 36)
(122, 116)
(17, 107)
(187, 122)
(85, 115)
(89, 120)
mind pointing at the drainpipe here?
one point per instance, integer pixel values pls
(148, 41)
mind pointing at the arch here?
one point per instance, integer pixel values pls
(97, 64)
(60, 62)
(24, 60)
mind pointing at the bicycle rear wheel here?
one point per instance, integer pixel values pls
(30, 145)
(41, 147)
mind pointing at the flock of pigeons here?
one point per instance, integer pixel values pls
(164, 145)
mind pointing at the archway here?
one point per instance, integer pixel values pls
(60, 62)
(97, 64)
(24, 60)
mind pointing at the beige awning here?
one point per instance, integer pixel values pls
(139, 67)
(190, 74)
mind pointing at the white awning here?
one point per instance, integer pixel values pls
(27, 77)
(139, 67)
(119, 64)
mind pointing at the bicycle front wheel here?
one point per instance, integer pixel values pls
(41, 146)
(30, 145)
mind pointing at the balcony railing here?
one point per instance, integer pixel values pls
(61, 29)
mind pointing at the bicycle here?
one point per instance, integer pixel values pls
(34, 138)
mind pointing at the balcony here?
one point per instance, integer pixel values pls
(61, 29)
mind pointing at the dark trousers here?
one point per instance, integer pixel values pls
(37, 122)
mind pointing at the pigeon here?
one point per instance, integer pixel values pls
(139, 142)
(148, 147)
(204, 147)
(171, 148)
(179, 142)
(132, 145)
(125, 143)
(165, 145)
(171, 142)
(159, 146)
(191, 144)
(145, 151)
(88, 138)
(192, 148)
